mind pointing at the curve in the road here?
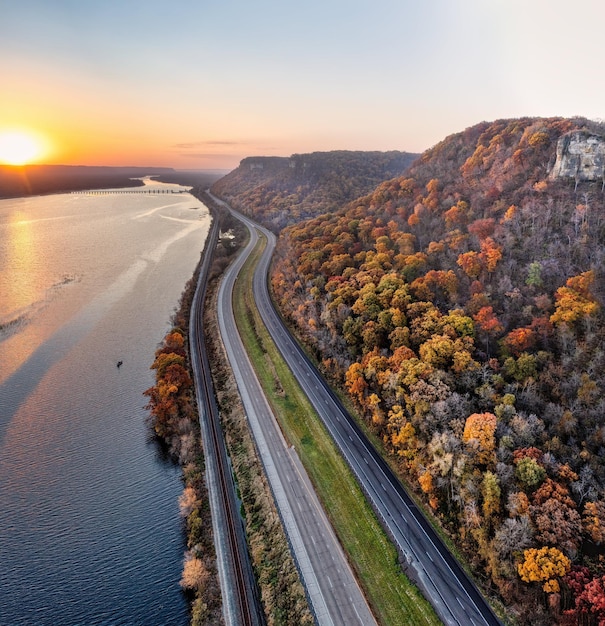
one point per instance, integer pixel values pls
(333, 592)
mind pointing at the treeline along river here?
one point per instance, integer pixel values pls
(89, 524)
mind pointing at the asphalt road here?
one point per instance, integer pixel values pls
(424, 556)
(334, 594)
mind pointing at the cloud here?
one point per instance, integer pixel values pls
(199, 144)
(206, 155)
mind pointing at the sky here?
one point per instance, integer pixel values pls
(201, 84)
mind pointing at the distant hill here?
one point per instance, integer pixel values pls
(40, 179)
(202, 179)
(462, 307)
(279, 191)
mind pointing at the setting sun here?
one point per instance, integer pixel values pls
(20, 147)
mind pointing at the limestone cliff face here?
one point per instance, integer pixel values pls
(580, 156)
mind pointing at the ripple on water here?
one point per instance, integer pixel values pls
(88, 510)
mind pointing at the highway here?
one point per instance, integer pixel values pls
(425, 558)
(334, 595)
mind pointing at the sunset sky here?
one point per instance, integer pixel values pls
(203, 83)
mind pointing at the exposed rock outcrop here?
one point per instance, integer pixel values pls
(580, 156)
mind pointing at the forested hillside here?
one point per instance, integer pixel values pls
(279, 191)
(461, 307)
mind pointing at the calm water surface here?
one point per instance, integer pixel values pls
(89, 524)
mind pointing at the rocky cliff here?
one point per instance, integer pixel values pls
(580, 156)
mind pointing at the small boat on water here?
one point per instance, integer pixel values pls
(119, 364)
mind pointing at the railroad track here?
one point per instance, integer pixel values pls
(241, 604)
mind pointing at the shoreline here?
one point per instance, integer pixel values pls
(274, 570)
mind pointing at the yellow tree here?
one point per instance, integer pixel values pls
(544, 565)
(594, 520)
(373, 405)
(574, 302)
(471, 263)
(479, 434)
(440, 351)
(403, 434)
(490, 489)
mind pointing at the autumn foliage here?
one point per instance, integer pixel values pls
(461, 307)
(479, 431)
(545, 565)
(575, 301)
(195, 575)
(280, 190)
(171, 398)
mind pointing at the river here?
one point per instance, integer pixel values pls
(89, 525)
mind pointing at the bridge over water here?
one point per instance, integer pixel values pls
(104, 192)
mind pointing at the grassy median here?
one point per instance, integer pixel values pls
(393, 598)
